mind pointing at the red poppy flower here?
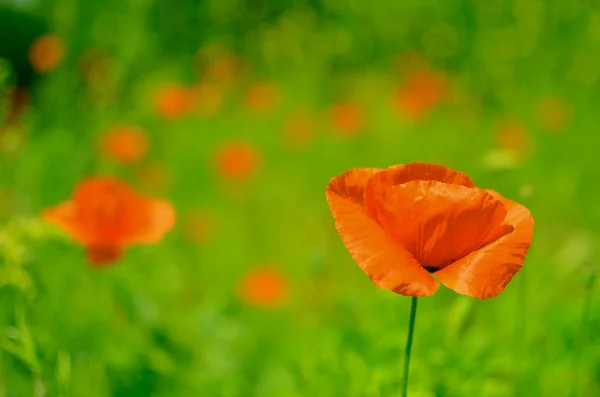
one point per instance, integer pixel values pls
(262, 97)
(347, 118)
(421, 92)
(46, 52)
(408, 225)
(127, 144)
(174, 101)
(514, 136)
(264, 287)
(237, 161)
(105, 216)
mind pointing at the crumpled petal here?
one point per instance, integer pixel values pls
(387, 263)
(440, 223)
(485, 272)
(399, 174)
(64, 216)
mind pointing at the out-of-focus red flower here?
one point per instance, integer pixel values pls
(238, 161)
(262, 97)
(126, 144)
(219, 65)
(46, 52)
(105, 215)
(264, 287)
(553, 114)
(514, 136)
(422, 91)
(299, 129)
(174, 101)
(347, 118)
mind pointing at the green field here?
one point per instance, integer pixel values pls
(169, 320)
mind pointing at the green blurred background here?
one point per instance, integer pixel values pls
(518, 113)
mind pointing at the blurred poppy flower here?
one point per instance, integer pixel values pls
(174, 101)
(238, 161)
(407, 222)
(198, 226)
(264, 287)
(208, 98)
(262, 97)
(552, 114)
(299, 129)
(46, 52)
(126, 144)
(421, 92)
(347, 118)
(514, 136)
(105, 215)
(219, 65)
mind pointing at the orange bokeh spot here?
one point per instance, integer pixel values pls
(198, 226)
(262, 97)
(174, 101)
(514, 136)
(126, 144)
(420, 93)
(264, 287)
(299, 129)
(46, 52)
(218, 64)
(238, 161)
(226, 68)
(553, 114)
(347, 118)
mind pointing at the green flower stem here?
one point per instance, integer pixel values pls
(409, 339)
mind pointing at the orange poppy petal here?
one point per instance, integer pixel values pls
(388, 265)
(399, 174)
(351, 184)
(439, 223)
(64, 216)
(161, 219)
(485, 273)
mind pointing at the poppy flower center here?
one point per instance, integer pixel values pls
(440, 223)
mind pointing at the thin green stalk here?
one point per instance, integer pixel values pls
(409, 339)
